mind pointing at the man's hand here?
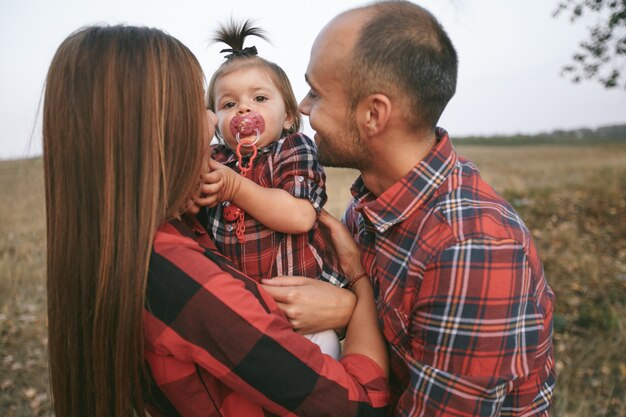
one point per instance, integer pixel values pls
(311, 305)
(344, 247)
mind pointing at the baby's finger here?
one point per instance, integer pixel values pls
(211, 177)
(210, 189)
(206, 201)
(213, 165)
(192, 207)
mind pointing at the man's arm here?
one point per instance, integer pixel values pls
(363, 331)
(312, 305)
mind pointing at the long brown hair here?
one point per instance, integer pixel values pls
(123, 134)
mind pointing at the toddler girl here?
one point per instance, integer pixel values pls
(266, 183)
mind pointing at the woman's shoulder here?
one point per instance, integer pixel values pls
(172, 237)
(182, 247)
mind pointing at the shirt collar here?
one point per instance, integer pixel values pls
(189, 224)
(411, 192)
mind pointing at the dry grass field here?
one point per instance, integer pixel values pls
(572, 197)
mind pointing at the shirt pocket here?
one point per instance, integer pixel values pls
(396, 304)
(395, 324)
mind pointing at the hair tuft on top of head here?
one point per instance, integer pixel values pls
(234, 34)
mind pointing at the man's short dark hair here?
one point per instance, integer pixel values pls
(404, 51)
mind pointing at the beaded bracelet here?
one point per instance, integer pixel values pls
(355, 279)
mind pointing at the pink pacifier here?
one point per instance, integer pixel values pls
(245, 125)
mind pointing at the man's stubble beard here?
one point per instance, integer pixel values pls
(347, 151)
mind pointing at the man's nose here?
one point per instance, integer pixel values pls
(303, 107)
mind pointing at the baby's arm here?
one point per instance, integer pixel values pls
(273, 207)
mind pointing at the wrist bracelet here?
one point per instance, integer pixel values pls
(355, 279)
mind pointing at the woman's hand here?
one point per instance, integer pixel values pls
(345, 248)
(311, 305)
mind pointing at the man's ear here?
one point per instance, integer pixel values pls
(374, 112)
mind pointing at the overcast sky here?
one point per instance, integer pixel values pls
(510, 54)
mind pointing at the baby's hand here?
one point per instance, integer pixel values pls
(220, 184)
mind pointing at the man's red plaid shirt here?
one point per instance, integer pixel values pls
(461, 292)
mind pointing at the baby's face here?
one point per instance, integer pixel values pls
(246, 91)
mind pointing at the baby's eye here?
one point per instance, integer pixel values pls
(260, 99)
(228, 105)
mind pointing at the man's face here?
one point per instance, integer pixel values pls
(327, 105)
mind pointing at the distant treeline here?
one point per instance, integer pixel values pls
(605, 134)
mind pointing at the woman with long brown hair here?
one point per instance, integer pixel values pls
(134, 281)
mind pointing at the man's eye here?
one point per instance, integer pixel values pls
(311, 94)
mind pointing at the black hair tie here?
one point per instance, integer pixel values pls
(240, 52)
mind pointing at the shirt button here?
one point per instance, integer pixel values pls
(299, 178)
(229, 227)
(368, 237)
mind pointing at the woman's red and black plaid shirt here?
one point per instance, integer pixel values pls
(218, 345)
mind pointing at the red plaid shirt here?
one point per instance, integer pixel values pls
(218, 345)
(460, 290)
(290, 164)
